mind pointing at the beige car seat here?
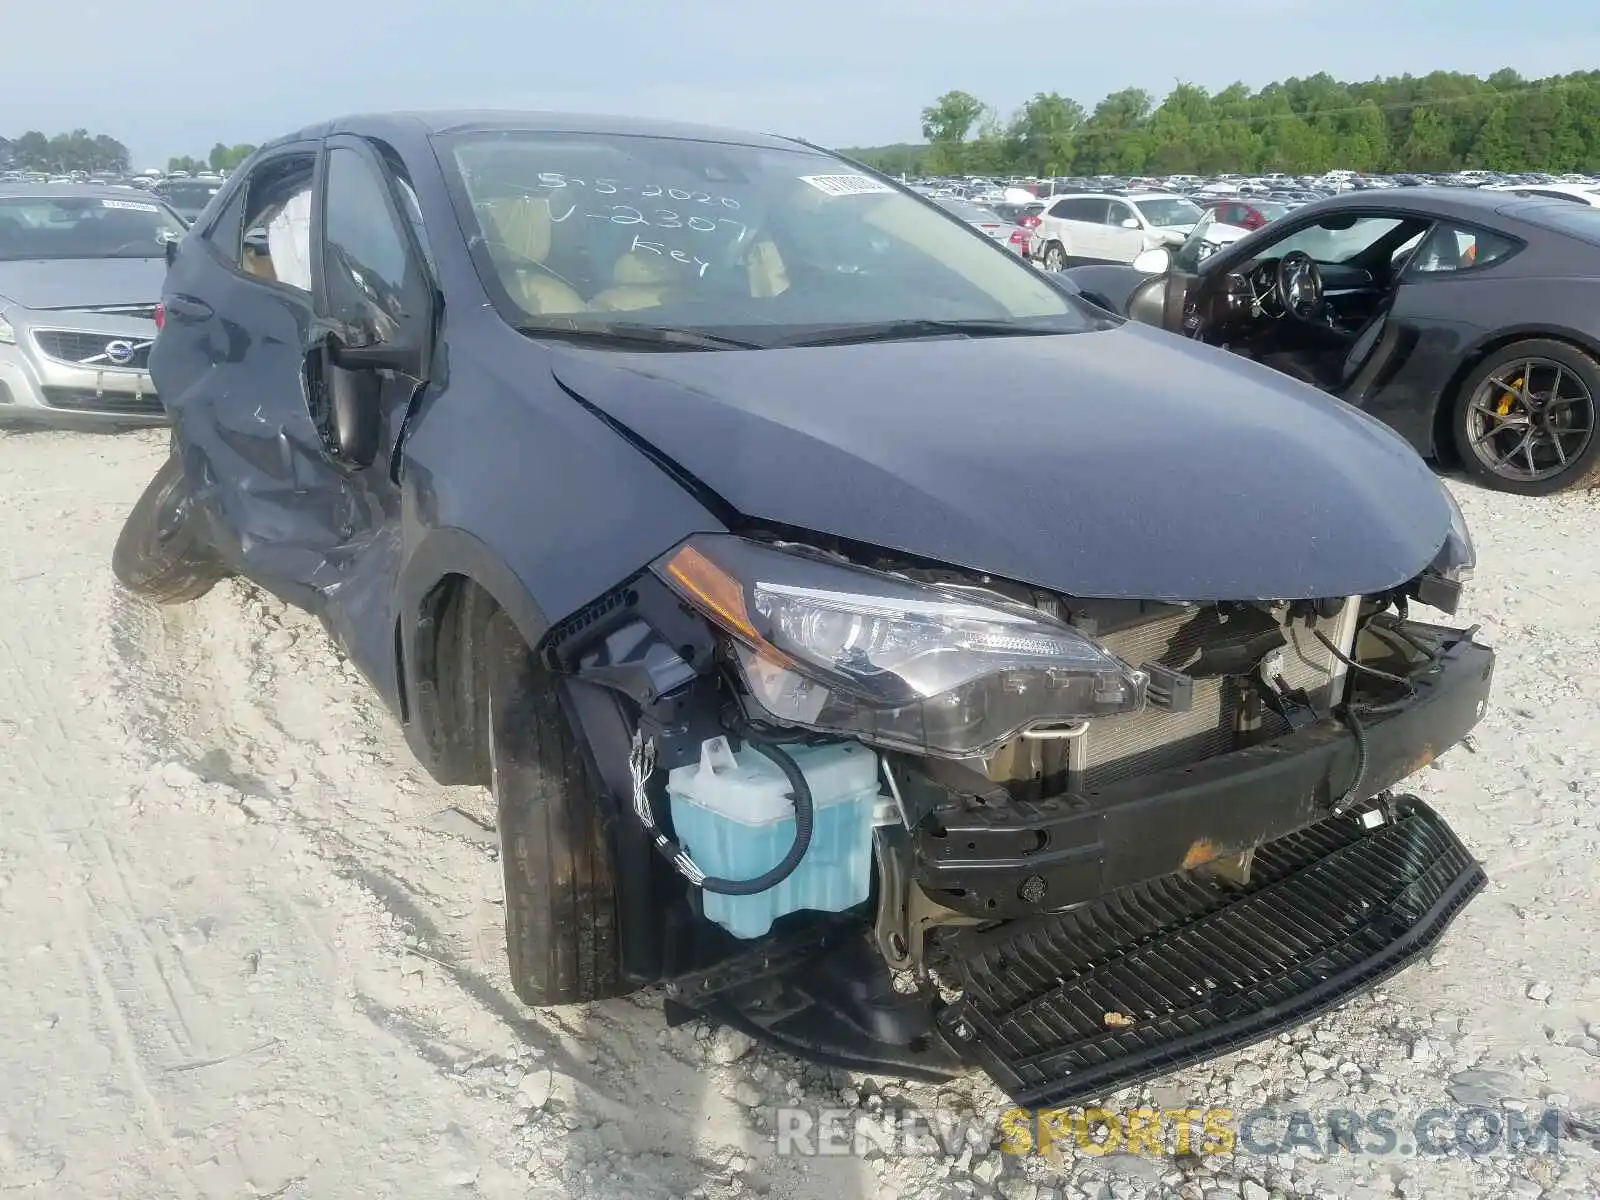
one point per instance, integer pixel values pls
(523, 224)
(640, 279)
(768, 276)
(256, 263)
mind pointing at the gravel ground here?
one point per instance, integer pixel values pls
(250, 950)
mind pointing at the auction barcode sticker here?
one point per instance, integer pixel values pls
(130, 205)
(846, 185)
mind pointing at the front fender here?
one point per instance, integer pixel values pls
(1110, 285)
(512, 484)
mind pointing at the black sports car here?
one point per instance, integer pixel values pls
(825, 593)
(1469, 321)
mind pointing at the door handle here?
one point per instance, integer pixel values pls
(188, 307)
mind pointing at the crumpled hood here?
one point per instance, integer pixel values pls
(1117, 464)
(82, 282)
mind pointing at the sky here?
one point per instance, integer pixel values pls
(169, 79)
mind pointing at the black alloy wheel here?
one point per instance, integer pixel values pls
(1526, 419)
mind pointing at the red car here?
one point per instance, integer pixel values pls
(1247, 214)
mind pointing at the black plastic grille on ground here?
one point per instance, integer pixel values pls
(1192, 968)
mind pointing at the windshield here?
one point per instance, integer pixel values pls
(582, 230)
(1332, 244)
(37, 227)
(1168, 211)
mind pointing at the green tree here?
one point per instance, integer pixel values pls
(1441, 121)
(1114, 140)
(228, 158)
(1044, 133)
(946, 123)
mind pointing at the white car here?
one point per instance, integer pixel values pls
(1110, 226)
(1578, 193)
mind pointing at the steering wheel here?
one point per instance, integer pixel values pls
(523, 261)
(1300, 285)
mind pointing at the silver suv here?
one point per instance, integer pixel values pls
(80, 275)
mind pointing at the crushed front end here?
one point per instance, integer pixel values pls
(1097, 840)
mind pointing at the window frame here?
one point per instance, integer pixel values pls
(1412, 274)
(1089, 200)
(240, 186)
(1112, 221)
(417, 259)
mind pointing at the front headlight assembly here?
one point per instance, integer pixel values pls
(1441, 584)
(934, 669)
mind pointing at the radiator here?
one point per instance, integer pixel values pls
(1154, 739)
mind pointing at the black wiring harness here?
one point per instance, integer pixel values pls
(1354, 712)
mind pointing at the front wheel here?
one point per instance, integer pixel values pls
(158, 554)
(1055, 257)
(1525, 419)
(560, 878)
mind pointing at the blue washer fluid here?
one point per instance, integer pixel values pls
(734, 815)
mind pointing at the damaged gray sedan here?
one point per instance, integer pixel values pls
(866, 640)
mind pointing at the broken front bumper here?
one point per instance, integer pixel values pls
(997, 861)
(1158, 976)
(1154, 966)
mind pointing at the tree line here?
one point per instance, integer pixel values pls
(80, 150)
(1444, 121)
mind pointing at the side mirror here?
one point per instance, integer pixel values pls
(1157, 261)
(345, 394)
(1130, 222)
(170, 251)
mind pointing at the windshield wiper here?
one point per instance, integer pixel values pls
(899, 331)
(640, 335)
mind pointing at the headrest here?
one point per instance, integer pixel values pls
(638, 266)
(521, 222)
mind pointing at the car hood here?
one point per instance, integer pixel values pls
(1122, 463)
(82, 282)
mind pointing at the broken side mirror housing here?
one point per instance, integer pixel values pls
(344, 386)
(1156, 261)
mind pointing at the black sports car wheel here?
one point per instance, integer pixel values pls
(157, 554)
(560, 880)
(1525, 419)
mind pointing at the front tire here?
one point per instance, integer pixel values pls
(158, 555)
(1524, 420)
(560, 877)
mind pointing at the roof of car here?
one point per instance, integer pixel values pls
(468, 120)
(82, 191)
(1466, 203)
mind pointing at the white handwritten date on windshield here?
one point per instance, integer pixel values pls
(645, 191)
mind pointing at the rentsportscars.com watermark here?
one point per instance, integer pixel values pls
(911, 1132)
